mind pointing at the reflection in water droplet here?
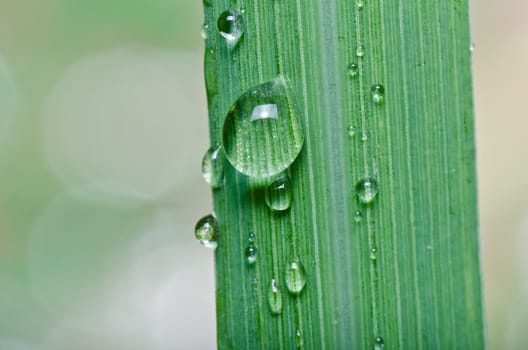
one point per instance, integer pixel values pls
(231, 26)
(378, 93)
(367, 190)
(262, 134)
(360, 51)
(275, 298)
(213, 166)
(379, 343)
(353, 69)
(278, 194)
(295, 277)
(358, 216)
(206, 231)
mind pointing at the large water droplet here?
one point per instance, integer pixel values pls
(278, 194)
(262, 133)
(231, 26)
(367, 190)
(206, 231)
(275, 298)
(353, 69)
(360, 51)
(378, 93)
(379, 343)
(213, 166)
(295, 277)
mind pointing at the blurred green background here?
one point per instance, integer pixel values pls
(102, 129)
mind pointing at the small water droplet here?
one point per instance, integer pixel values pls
(373, 254)
(252, 238)
(262, 133)
(242, 9)
(251, 254)
(351, 131)
(206, 231)
(472, 47)
(367, 190)
(204, 31)
(358, 216)
(275, 298)
(360, 4)
(299, 341)
(360, 51)
(364, 136)
(278, 194)
(295, 277)
(353, 69)
(378, 93)
(213, 166)
(429, 247)
(379, 343)
(231, 26)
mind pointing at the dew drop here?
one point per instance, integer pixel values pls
(379, 343)
(299, 341)
(360, 4)
(213, 166)
(206, 231)
(378, 93)
(251, 254)
(358, 216)
(262, 133)
(351, 131)
(295, 277)
(353, 69)
(231, 26)
(367, 190)
(278, 194)
(360, 51)
(373, 254)
(472, 47)
(275, 298)
(204, 31)
(364, 136)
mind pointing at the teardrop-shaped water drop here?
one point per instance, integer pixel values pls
(278, 194)
(353, 69)
(378, 93)
(275, 298)
(367, 190)
(231, 26)
(360, 51)
(206, 231)
(379, 343)
(295, 277)
(213, 166)
(262, 133)
(251, 254)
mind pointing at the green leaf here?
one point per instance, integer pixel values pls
(380, 243)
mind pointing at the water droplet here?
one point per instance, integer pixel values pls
(472, 47)
(360, 4)
(364, 136)
(367, 190)
(252, 238)
(373, 254)
(379, 343)
(262, 133)
(353, 69)
(206, 231)
(275, 298)
(351, 131)
(358, 216)
(242, 9)
(213, 166)
(299, 341)
(378, 93)
(204, 31)
(360, 51)
(295, 277)
(278, 194)
(231, 26)
(251, 254)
